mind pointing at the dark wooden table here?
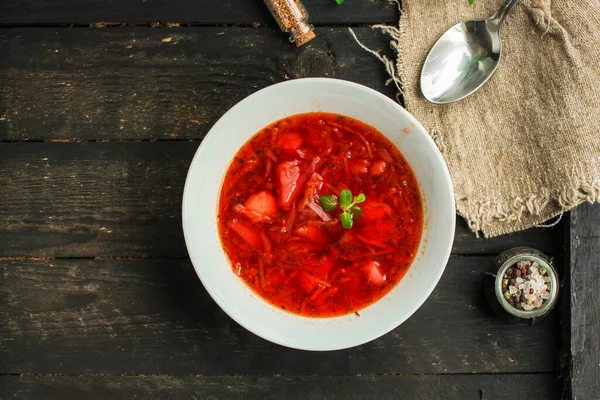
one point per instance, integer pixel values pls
(102, 106)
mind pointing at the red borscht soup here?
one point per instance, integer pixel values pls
(284, 214)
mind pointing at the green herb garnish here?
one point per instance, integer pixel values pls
(350, 209)
(470, 1)
(329, 203)
(341, 1)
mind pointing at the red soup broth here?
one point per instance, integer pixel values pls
(282, 243)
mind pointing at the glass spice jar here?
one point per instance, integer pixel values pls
(292, 17)
(495, 284)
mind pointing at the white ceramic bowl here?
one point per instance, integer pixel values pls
(201, 194)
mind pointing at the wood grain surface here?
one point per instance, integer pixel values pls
(585, 302)
(157, 84)
(379, 387)
(105, 199)
(181, 11)
(154, 317)
(99, 120)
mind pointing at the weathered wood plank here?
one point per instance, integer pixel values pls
(547, 240)
(124, 200)
(93, 199)
(140, 83)
(585, 302)
(447, 387)
(154, 317)
(181, 11)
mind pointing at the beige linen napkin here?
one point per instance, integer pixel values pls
(526, 146)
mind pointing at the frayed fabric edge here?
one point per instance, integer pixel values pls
(389, 64)
(488, 218)
(391, 67)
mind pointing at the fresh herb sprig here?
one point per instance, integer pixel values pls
(349, 205)
(470, 1)
(339, 1)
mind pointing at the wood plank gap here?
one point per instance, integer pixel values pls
(100, 258)
(517, 373)
(7, 141)
(103, 25)
(564, 311)
(158, 258)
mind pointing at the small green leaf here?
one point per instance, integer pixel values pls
(360, 198)
(329, 203)
(346, 199)
(346, 218)
(341, 1)
(356, 212)
(470, 1)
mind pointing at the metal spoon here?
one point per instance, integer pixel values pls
(464, 58)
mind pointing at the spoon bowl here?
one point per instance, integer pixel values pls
(464, 58)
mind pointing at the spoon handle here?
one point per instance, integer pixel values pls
(501, 14)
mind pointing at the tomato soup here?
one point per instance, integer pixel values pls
(286, 206)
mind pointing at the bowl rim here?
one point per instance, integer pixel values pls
(393, 322)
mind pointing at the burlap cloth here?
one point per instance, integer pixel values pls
(526, 146)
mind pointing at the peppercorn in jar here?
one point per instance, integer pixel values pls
(292, 17)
